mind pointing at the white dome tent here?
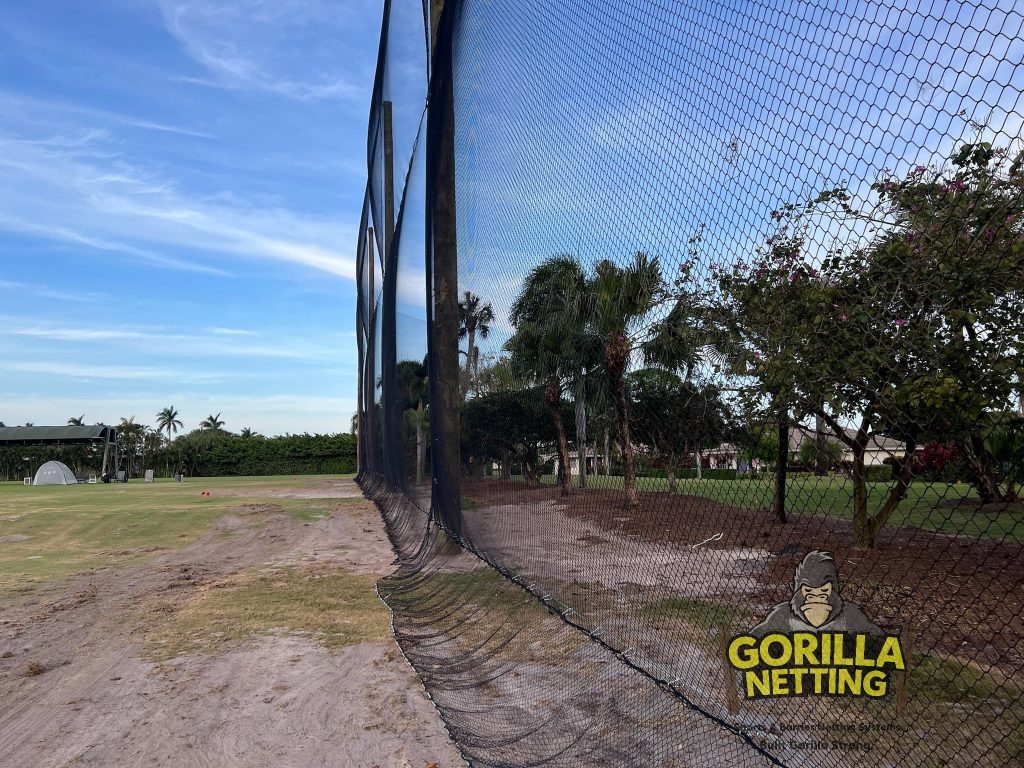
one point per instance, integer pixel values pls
(55, 473)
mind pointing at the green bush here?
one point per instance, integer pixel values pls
(878, 474)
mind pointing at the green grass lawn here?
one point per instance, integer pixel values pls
(928, 505)
(50, 532)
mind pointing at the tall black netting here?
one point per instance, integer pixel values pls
(691, 352)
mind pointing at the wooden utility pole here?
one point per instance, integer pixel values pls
(444, 281)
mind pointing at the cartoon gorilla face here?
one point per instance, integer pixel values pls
(816, 604)
(816, 597)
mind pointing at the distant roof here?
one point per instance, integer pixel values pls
(56, 435)
(876, 442)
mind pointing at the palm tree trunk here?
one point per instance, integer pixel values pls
(581, 433)
(420, 445)
(553, 398)
(607, 455)
(471, 336)
(616, 356)
(628, 468)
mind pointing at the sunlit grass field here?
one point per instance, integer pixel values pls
(930, 506)
(50, 532)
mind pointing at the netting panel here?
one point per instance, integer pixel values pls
(736, 399)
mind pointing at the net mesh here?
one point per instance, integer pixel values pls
(691, 343)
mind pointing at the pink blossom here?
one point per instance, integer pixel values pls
(900, 323)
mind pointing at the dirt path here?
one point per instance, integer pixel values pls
(79, 683)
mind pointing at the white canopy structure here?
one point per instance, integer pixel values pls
(55, 473)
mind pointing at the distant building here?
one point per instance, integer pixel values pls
(879, 447)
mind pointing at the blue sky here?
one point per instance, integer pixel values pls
(607, 131)
(180, 188)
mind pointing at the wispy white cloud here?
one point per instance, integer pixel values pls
(253, 45)
(61, 113)
(47, 292)
(103, 202)
(326, 347)
(65, 369)
(231, 332)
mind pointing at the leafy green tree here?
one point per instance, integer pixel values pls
(828, 454)
(77, 421)
(509, 427)
(130, 443)
(916, 332)
(674, 418)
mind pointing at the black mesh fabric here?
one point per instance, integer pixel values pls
(691, 378)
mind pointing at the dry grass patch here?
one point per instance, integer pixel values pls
(331, 605)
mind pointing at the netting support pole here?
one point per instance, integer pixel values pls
(389, 178)
(393, 432)
(732, 700)
(443, 275)
(370, 371)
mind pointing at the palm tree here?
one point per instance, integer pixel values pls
(247, 432)
(167, 421)
(77, 421)
(212, 423)
(550, 318)
(622, 297)
(474, 319)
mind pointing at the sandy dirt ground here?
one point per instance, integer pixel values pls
(280, 700)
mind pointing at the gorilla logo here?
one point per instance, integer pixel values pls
(816, 605)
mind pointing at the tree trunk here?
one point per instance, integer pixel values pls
(781, 466)
(506, 466)
(553, 398)
(607, 456)
(821, 457)
(897, 494)
(979, 473)
(625, 445)
(616, 355)
(670, 474)
(581, 435)
(700, 468)
(421, 453)
(862, 534)
(471, 340)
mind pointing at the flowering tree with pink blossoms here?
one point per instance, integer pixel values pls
(908, 323)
